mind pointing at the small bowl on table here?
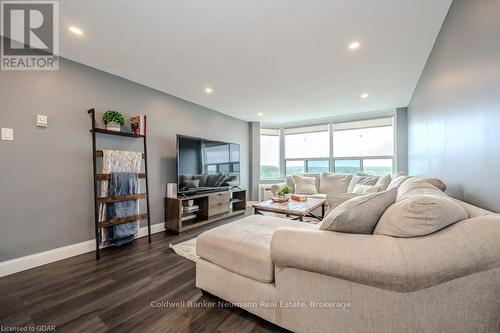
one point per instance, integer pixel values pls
(280, 199)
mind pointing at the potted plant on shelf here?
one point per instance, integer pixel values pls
(113, 120)
(283, 194)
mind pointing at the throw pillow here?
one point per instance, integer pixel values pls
(384, 181)
(363, 180)
(420, 215)
(397, 181)
(305, 185)
(334, 200)
(194, 183)
(332, 183)
(367, 189)
(213, 179)
(359, 215)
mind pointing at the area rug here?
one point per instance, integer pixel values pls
(186, 249)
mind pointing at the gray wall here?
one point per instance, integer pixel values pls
(454, 115)
(46, 188)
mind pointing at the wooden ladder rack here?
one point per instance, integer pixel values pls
(98, 201)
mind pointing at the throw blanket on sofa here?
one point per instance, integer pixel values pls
(122, 183)
(118, 161)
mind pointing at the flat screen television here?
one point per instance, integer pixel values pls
(206, 165)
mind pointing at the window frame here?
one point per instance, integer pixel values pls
(331, 159)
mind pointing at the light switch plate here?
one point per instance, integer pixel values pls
(41, 121)
(7, 134)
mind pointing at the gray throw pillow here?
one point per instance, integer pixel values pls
(213, 179)
(359, 215)
(194, 183)
(362, 180)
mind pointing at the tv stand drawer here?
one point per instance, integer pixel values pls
(220, 208)
(216, 199)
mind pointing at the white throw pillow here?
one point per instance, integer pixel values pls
(305, 185)
(420, 215)
(367, 189)
(363, 180)
(397, 181)
(383, 181)
(332, 183)
(359, 215)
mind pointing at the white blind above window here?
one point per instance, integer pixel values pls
(269, 131)
(363, 124)
(306, 129)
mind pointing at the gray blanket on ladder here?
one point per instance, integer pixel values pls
(122, 183)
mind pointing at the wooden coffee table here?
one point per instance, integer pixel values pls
(300, 209)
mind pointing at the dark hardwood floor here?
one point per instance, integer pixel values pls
(81, 294)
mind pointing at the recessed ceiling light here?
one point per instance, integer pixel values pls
(364, 95)
(260, 114)
(76, 31)
(354, 45)
(209, 90)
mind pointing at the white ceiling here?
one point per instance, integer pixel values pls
(285, 58)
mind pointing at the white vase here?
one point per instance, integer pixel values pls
(112, 126)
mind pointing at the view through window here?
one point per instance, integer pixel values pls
(270, 153)
(344, 148)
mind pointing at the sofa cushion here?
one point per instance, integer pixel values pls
(317, 196)
(421, 209)
(438, 183)
(243, 247)
(414, 186)
(332, 183)
(367, 189)
(362, 179)
(305, 185)
(359, 215)
(419, 215)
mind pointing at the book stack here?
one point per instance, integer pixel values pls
(188, 212)
(298, 197)
(138, 125)
(190, 209)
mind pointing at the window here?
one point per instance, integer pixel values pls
(307, 142)
(364, 138)
(318, 166)
(293, 167)
(377, 166)
(344, 148)
(270, 153)
(347, 166)
(366, 145)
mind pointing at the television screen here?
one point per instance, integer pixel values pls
(204, 165)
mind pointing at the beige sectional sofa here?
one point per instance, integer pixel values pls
(310, 280)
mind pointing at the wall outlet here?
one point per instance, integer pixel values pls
(7, 134)
(42, 121)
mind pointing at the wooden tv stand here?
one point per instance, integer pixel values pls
(213, 207)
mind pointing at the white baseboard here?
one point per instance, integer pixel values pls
(42, 258)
